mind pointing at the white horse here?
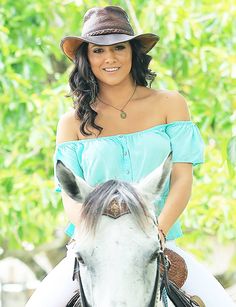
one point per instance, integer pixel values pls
(117, 242)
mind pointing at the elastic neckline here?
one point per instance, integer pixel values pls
(128, 134)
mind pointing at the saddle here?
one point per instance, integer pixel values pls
(177, 275)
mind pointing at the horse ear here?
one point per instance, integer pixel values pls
(74, 186)
(154, 182)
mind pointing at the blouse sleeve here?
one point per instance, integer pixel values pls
(186, 142)
(66, 152)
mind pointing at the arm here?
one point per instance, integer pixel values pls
(178, 197)
(182, 173)
(66, 131)
(72, 208)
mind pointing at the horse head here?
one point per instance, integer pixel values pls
(117, 241)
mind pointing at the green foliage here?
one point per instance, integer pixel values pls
(194, 56)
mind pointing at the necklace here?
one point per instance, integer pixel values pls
(123, 114)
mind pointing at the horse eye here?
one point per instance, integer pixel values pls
(154, 256)
(80, 258)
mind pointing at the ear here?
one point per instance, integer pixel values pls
(74, 186)
(154, 182)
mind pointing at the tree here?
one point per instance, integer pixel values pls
(194, 56)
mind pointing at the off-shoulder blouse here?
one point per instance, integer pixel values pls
(132, 156)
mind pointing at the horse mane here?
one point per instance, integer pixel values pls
(96, 203)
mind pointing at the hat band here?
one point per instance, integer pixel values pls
(109, 31)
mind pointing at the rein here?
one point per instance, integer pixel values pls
(156, 292)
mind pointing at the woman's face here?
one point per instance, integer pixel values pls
(110, 64)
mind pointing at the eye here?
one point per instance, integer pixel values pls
(80, 258)
(154, 256)
(97, 50)
(120, 47)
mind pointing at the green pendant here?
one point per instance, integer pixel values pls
(123, 115)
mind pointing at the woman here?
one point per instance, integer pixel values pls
(122, 129)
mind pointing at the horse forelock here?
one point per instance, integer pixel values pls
(121, 192)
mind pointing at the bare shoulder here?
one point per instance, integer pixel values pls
(174, 104)
(67, 127)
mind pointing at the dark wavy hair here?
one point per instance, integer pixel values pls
(84, 86)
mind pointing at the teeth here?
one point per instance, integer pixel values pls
(111, 69)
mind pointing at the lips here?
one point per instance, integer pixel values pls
(111, 69)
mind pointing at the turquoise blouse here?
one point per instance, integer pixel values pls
(132, 156)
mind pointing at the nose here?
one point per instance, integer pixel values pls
(110, 57)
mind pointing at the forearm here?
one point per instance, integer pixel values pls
(72, 209)
(176, 202)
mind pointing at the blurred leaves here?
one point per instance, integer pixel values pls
(232, 150)
(195, 56)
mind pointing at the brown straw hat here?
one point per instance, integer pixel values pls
(106, 26)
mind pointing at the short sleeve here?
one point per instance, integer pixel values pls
(186, 142)
(67, 153)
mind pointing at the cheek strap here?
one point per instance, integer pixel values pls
(78, 299)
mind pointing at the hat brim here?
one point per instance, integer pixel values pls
(70, 44)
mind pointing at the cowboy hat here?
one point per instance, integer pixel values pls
(106, 26)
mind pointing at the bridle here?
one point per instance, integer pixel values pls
(156, 296)
(76, 275)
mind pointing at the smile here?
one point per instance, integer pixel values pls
(113, 69)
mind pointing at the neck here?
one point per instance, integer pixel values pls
(117, 95)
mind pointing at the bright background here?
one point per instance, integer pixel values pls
(196, 56)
